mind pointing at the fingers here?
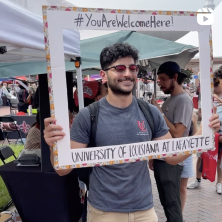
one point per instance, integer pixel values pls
(215, 123)
(52, 132)
(214, 116)
(215, 110)
(52, 140)
(49, 120)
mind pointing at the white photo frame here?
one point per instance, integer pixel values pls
(58, 18)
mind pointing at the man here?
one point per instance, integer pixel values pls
(117, 192)
(177, 111)
(114, 193)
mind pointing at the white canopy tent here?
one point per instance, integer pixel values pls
(22, 34)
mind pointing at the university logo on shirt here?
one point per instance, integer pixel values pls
(142, 126)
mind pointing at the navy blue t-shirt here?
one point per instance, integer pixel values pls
(122, 187)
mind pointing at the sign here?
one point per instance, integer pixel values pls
(56, 19)
(99, 156)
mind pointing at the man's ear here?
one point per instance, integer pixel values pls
(175, 77)
(103, 74)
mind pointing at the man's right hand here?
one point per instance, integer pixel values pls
(52, 132)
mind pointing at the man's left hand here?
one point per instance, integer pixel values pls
(154, 102)
(214, 120)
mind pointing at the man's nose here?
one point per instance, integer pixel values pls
(127, 72)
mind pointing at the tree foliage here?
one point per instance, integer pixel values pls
(189, 74)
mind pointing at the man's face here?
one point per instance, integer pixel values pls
(121, 83)
(166, 84)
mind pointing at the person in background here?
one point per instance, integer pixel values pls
(33, 139)
(217, 102)
(177, 111)
(35, 103)
(24, 98)
(5, 91)
(1, 93)
(92, 91)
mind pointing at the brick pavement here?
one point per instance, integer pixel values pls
(203, 204)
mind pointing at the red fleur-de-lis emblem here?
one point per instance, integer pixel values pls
(24, 127)
(141, 125)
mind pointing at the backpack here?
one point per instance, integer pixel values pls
(84, 173)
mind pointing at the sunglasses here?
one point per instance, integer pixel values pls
(122, 68)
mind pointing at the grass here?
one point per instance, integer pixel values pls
(4, 195)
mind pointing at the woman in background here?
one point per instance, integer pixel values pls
(33, 139)
(24, 98)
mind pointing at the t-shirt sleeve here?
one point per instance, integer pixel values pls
(80, 130)
(183, 113)
(160, 125)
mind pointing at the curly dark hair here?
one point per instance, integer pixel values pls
(111, 54)
(218, 73)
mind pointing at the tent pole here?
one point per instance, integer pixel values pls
(79, 82)
(138, 88)
(154, 82)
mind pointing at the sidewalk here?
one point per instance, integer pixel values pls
(203, 203)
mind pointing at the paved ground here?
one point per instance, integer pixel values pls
(203, 204)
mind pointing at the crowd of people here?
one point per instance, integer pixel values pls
(120, 192)
(20, 94)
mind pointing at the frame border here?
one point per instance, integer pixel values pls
(50, 86)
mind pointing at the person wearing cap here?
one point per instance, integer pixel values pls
(92, 91)
(119, 192)
(177, 111)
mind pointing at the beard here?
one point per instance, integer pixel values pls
(118, 90)
(170, 89)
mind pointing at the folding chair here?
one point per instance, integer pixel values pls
(8, 125)
(13, 107)
(5, 153)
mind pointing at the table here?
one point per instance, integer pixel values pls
(42, 197)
